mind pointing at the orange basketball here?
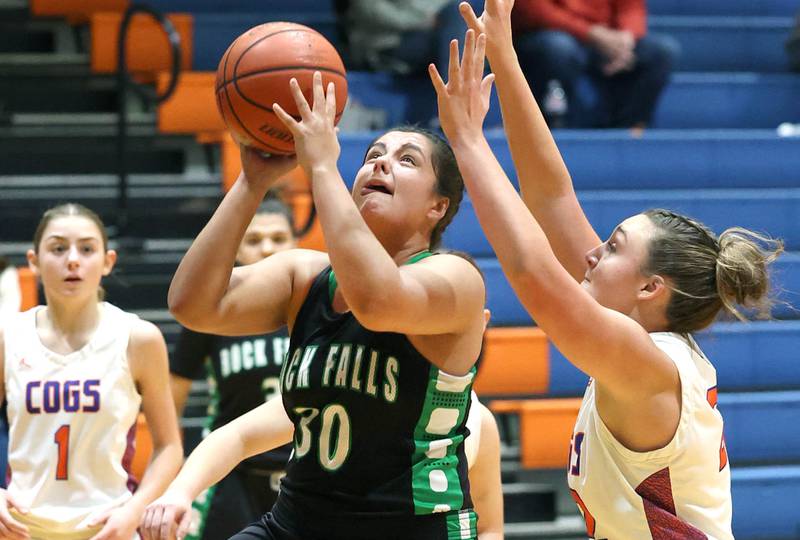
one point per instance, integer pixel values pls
(255, 72)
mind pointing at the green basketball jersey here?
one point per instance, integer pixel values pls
(379, 432)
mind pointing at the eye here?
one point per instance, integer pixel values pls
(372, 155)
(58, 248)
(87, 249)
(280, 238)
(612, 246)
(252, 240)
(408, 159)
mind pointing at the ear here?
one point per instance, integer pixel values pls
(439, 209)
(110, 261)
(487, 316)
(33, 261)
(655, 287)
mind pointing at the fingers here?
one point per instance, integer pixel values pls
(168, 524)
(290, 123)
(453, 76)
(183, 527)
(330, 102)
(10, 527)
(479, 56)
(436, 79)
(318, 91)
(468, 56)
(300, 99)
(486, 87)
(469, 16)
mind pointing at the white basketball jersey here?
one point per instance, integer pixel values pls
(473, 442)
(72, 421)
(680, 491)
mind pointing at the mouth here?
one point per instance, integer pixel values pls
(73, 279)
(376, 186)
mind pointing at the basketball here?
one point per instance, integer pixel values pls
(255, 72)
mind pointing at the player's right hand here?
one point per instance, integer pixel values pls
(262, 169)
(10, 528)
(167, 518)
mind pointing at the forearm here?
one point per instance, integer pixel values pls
(545, 183)
(365, 272)
(517, 239)
(164, 464)
(541, 170)
(209, 462)
(204, 273)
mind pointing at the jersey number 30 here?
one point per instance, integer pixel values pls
(333, 444)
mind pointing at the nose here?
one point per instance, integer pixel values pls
(72, 256)
(380, 164)
(267, 248)
(593, 256)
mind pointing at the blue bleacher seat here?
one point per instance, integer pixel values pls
(728, 100)
(728, 43)
(774, 212)
(764, 502)
(214, 32)
(761, 426)
(758, 8)
(615, 160)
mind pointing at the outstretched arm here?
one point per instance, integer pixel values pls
(544, 180)
(600, 342)
(262, 429)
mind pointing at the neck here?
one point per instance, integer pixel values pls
(400, 247)
(649, 320)
(75, 317)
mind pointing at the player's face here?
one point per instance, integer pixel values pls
(266, 234)
(71, 258)
(397, 181)
(614, 274)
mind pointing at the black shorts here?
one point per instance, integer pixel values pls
(285, 524)
(237, 500)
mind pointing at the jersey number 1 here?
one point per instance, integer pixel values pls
(61, 439)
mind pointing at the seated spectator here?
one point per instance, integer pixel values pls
(562, 40)
(402, 36)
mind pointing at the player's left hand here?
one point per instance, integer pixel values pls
(464, 99)
(119, 523)
(315, 140)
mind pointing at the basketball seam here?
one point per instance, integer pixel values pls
(282, 68)
(233, 111)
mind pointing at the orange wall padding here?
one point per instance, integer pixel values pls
(545, 429)
(148, 47)
(144, 448)
(77, 11)
(192, 108)
(515, 361)
(28, 288)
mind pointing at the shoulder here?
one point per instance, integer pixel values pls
(452, 266)
(145, 337)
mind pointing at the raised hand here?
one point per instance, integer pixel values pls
(264, 169)
(495, 22)
(315, 138)
(464, 99)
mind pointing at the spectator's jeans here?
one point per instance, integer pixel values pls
(629, 98)
(421, 47)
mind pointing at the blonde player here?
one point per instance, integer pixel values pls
(75, 373)
(482, 448)
(648, 458)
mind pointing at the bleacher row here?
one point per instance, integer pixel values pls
(713, 154)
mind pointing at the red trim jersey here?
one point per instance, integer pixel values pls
(682, 490)
(72, 419)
